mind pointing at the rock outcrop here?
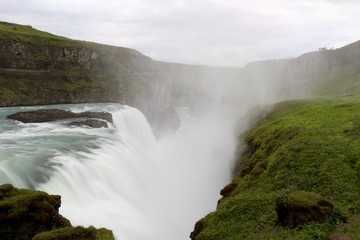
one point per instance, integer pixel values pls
(92, 123)
(294, 209)
(25, 213)
(46, 115)
(28, 214)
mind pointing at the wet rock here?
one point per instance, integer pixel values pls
(34, 215)
(294, 209)
(46, 115)
(92, 123)
(99, 115)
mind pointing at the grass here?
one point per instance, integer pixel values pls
(39, 74)
(76, 233)
(26, 213)
(28, 34)
(310, 146)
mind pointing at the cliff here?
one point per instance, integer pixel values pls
(29, 214)
(37, 67)
(41, 68)
(329, 72)
(297, 179)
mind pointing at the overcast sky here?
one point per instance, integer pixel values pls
(207, 32)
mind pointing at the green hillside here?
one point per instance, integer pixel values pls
(37, 67)
(302, 146)
(305, 154)
(29, 34)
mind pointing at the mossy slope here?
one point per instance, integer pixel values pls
(25, 214)
(37, 67)
(310, 146)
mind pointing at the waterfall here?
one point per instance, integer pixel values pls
(123, 179)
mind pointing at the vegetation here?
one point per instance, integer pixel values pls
(76, 233)
(28, 34)
(37, 67)
(28, 214)
(24, 213)
(309, 146)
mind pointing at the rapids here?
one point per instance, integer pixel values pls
(122, 178)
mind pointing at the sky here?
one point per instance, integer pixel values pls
(204, 32)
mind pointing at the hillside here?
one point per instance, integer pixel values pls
(40, 68)
(329, 73)
(37, 67)
(301, 150)
(297, 176)
(303, 156)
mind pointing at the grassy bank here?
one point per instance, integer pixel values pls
(310, 146)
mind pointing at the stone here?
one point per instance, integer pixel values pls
(46, 115)
(92, 123)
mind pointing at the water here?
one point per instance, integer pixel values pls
(122, 177)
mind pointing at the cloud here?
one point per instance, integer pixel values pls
(208, 32)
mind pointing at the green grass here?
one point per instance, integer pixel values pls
(76, 233)
(310, 146)
(28, 34)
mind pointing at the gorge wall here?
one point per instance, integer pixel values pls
(41, 68)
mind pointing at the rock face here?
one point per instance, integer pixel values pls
(199, 226)
(46, 115)
(25, 213)
(41, 68)
(297, 208)
(38, 68)
(28, 214)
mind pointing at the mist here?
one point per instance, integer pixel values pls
(187, 167)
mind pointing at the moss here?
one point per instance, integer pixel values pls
(296, 208)
(300, 151)
(28, 214)
(24, 213)
(8, 94)
(76, 233)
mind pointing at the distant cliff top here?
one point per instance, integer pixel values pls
(30, 34)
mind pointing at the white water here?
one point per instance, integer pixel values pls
(123, 178)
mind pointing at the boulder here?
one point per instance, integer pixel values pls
(92, 123)
(296, 208)
(47, 115)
